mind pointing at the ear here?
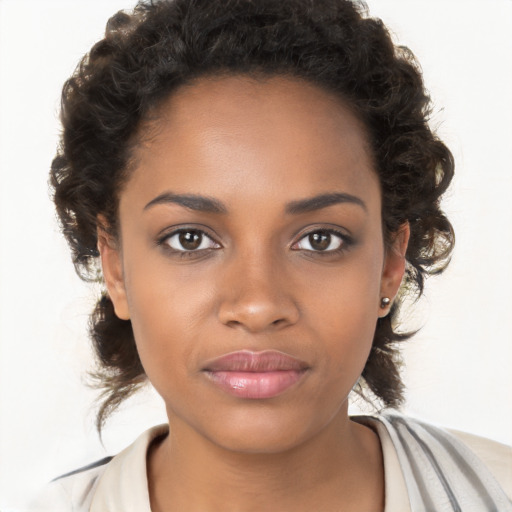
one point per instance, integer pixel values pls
(112, 265)
(394, 266)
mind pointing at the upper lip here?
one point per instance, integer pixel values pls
(249, 361)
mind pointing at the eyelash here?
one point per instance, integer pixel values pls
(163, 241)
(345, 242)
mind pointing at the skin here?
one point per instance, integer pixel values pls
(257, 283)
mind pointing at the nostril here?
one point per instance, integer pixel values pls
(258, 313)
(253, 324)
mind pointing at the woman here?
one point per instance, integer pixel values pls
(262, 188)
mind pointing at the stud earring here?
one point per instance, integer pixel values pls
(385, 302)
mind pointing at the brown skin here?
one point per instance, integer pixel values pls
(255, 283)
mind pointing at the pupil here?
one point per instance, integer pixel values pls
(320, 241)
(190, 240)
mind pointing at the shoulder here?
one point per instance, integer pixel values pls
(447, 469)
(496, 456)
(72, 491)
(116, 484)
(465, 463)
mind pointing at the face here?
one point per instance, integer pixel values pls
(251, 259)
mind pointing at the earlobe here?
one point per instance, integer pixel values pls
(394, 268)
(111, 263)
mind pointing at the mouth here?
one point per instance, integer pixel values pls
(255, 375)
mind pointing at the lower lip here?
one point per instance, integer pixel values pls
(255, 385)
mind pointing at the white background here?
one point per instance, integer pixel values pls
(458, 368)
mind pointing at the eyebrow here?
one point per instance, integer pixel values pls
(190, 201)
(210, 205)
(323, 201)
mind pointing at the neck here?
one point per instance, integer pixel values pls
(340, 468)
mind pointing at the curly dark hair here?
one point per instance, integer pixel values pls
(149, 53)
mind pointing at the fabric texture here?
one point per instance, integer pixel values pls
(426, 469)
(441, 472)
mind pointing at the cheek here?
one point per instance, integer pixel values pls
(344, 311)
(168, 304)
(348, 293)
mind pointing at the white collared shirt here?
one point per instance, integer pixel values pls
(120, 484)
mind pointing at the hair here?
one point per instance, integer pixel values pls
(161, 45)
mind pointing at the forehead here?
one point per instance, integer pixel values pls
(227, 136)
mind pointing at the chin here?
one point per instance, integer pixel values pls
(261, 431)
(248, 441)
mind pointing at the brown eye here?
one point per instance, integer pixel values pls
(189, 240)
(321, 241)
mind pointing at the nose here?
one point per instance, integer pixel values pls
(257, 296)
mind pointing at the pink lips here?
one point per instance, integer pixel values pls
(255, 375)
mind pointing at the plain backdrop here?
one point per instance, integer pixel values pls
(458, 368)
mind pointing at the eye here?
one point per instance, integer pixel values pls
(190, 240)
(321, 241)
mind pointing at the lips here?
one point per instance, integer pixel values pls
(255, 375)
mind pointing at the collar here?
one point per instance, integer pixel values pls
(123, 486)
